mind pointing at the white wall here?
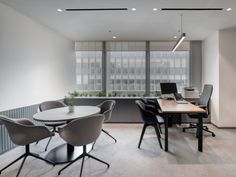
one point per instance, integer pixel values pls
(227, 77)
(36, 63)
(210, 72)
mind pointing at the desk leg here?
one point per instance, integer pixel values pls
(166, 132)
(200, 135)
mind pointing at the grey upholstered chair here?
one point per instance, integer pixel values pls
(52, 105)
(23, 132)
(107, 108)
(81, 132)
(203, 102)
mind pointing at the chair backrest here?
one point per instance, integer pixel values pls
(206, 95)
(146, 115)
(50, 105)
(107, 108)
(83, 131)
(23, 132)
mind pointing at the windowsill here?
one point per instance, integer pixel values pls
(138, 97)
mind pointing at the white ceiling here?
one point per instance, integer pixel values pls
(142, 24)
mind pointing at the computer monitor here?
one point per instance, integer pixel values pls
(168, 88)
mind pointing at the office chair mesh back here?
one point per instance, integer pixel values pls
(205, 96)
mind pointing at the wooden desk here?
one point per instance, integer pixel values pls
(171, 107)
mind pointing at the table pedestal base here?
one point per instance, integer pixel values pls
(65, 153)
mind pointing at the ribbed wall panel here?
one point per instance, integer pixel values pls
(24, 112)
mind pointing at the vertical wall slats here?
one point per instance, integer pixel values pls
(24, 112)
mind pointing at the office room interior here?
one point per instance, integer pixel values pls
(118, 88)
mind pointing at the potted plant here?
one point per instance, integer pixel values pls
(70, 100)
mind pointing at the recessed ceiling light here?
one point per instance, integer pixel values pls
(154, 9)
(175, 37)
(133, 9)
(229, 9)
(114, 37)
(59, 10)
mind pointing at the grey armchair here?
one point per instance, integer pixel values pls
(203, 102)
(23, 132)
(107, 108)
(81, 132)
(51, 105)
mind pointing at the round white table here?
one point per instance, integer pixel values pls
(65, 152)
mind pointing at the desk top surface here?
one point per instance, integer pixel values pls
(170, 106)
(63, 114)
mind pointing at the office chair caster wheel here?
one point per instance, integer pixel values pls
(213, 135)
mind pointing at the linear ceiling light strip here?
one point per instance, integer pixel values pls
(97, 9)
(200, 9)
(182, 37)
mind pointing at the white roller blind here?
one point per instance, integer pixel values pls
(126, 46)
(168, 46)
(88, 46)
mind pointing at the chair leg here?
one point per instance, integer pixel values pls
(159, 128)
(207, 130)
(38, 157)
(18, 173)
(12, 163)
(48, 143)
(70, 164)
(141, 137)
(98, 160)
(109, 135)
(158, 134)
(93, 144)
(82, 166)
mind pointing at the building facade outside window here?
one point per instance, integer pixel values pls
(123, 72)
(167, 66)
(126, 73)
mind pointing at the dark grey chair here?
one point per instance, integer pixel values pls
(107, 108)
(81, 132)
(23, 132)
(149, 119)
(52, 105)
(153, 106)
(203, 102)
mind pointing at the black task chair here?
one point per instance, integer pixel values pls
(203, 102)
(23, 132)
(81, 132)
(149, 119)
(52, 105)
(154, 107)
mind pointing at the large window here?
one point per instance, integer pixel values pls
(121, 67)
(167, 66)
(126, 72)
(89, 71)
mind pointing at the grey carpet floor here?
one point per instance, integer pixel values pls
(126, 160)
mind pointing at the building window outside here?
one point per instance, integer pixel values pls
(167, 66)
(89, 71)
(126, 73)
(126, 68)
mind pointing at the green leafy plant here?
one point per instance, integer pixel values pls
(158, 93)
(70, 99)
